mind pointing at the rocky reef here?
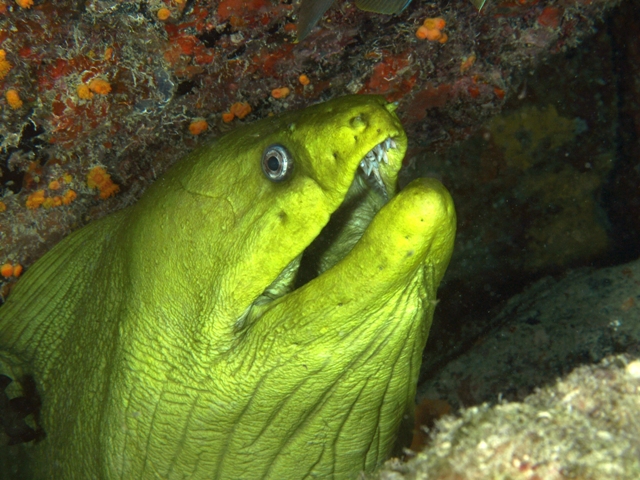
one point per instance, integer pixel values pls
(528, 112)
(131, 86)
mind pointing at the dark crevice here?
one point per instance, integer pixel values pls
(621, 195)
(30, 142)
(185, 87)
(14, 411)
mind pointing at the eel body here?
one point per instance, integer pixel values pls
(260, 313)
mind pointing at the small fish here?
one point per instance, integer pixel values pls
(311, 11)
(478, 3)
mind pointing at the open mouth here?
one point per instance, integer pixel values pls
(372, 186)
(366, 196)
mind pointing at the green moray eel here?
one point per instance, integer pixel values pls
(260, 312)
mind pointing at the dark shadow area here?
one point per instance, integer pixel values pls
(520, 212)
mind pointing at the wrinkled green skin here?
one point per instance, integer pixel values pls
(131, 326)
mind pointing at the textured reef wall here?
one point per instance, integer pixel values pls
(99, 97)
(584, 427)
(523, 422)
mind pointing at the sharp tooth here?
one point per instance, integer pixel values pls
(376, 174)
(366, 166)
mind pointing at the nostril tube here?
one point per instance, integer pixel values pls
(359, 122)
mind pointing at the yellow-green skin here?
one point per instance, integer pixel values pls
(130, 326)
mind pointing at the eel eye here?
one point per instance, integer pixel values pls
(277, 163)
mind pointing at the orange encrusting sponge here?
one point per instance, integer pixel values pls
(99, 178)
(431, 29)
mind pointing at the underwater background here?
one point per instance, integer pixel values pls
(528, 111)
